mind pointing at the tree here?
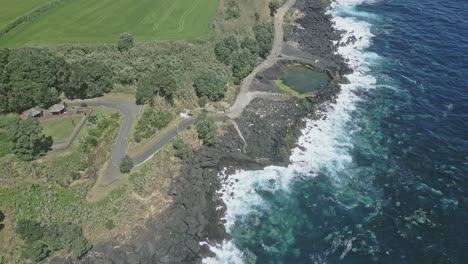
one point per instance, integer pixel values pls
(36, 251)
(125, 42)
(27, 139)
(183, 150)
(30, 77)
(88, 79)
(29, 230)
(212, 84)
(126, 164)
(206, 129)
(225, 48)
(264, 36)
(164, 80)
(252, 45)
(273, 5)
(243, 62)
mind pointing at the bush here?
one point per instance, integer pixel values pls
(109, 224)
(183, 150)
(211, 84)
(126, 164)
(84, 105)
(27, 139)
(264, 35)
(225, 48)
(89, 78)
(206, 129)
(273, 5)
(36, 251)
(232, 10)
(42, 239)
(150, 122)
(125, 42)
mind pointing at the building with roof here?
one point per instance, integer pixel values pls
(32, 113)
(57, 109)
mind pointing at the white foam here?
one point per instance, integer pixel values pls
(325, 142)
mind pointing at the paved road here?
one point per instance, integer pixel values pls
(153, 149)
(130, 112)
(245, 97)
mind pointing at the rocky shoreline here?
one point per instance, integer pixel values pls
(270, 128)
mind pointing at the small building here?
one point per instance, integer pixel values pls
(57, 109)
(185, 113)
(32, 113)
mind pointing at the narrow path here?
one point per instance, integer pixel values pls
(245, 97)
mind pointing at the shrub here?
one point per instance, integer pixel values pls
(150, 122)
(84, 105)
(126, 164)
(183, 150)
(206, 129)
(109, 224)
(211, 84)
(264, 35)
(125, 42)
(273, 5)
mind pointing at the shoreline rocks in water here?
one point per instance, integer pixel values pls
(270, 128)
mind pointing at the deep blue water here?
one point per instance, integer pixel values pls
(398, 190)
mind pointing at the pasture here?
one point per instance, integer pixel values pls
(90, 21)
(11, 9)
(60, 129)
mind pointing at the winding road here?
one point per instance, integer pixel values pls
(245, 96)
(130, 110)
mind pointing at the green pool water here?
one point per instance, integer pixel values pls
(303, 79)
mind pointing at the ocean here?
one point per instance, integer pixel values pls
(383, 178)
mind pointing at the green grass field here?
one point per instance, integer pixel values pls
(90, 21)
(60, 129)
(11, 9)
(4, 144)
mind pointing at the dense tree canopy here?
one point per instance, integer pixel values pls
(30, 77)
(243, 62)
(89, 78)
(125, 42)
(164, 81)
(42, 239)
(27, 139)
(264, 34)
(212, 84)
(225, 48)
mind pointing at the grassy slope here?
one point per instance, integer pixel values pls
(103, 21)
(60, 129)
(11, 9)
(4, 144)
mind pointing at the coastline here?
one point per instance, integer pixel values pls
(186, 232)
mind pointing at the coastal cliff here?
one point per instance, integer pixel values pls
(263, 135)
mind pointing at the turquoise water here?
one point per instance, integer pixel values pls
(383, 178)
(303, 80)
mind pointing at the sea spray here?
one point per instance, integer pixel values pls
(253, 196)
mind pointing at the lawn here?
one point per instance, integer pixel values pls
(4, 144)
(90, 21)
(11, 9)
(60, 129)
